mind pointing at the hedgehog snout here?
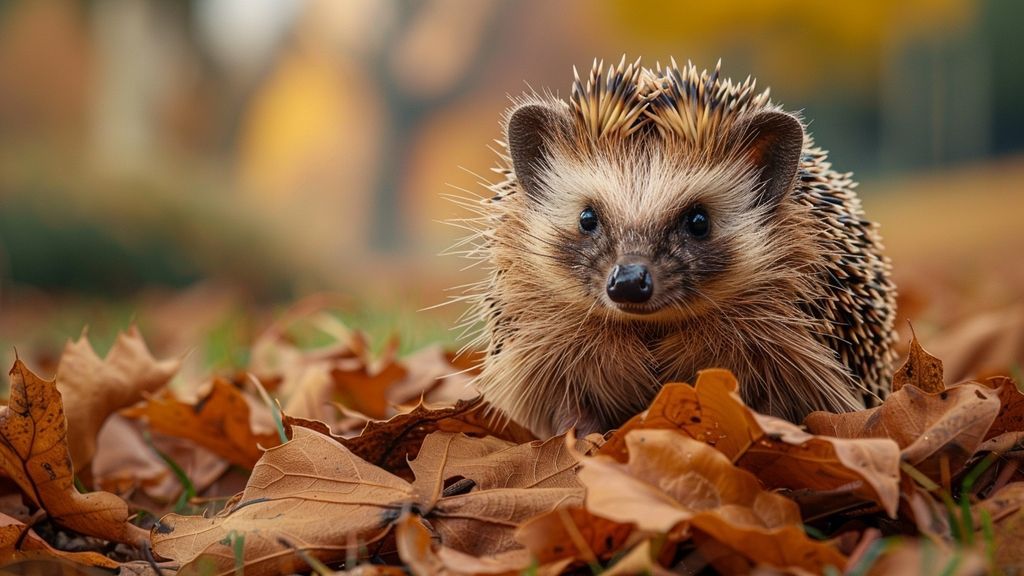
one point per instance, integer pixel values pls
(630, 282)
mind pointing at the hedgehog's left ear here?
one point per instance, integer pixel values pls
(772, 143)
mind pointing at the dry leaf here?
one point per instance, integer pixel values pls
(927, 427)
(94, 388)
(1007, 432)
(1006, 509)
(982, 345)
(573, 533)
(417, 552)
(921, 369)
(220, 422)
(926, 557)
(366, 391)
(125, 462)
(639, 560)
(778, 452)
(19, 543)
(672, 481)
(34, 453)
(316, 494)
(310, 491)
(392, 443)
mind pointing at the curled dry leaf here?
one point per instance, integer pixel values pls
(1007, 431)
(34, 454)
(927, 427)
(778, 452)
(94, 388)
(921, 369)
(416, 550)
(392, 443)
(672, 482)
(18, 543)
(575, 534)
(316, 494)
(220, 422)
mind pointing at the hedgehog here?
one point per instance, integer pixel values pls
(662, 221)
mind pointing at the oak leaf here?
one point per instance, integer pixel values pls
(93, 388)
(34, 454)
(777, 451)
(219, 422)
(673, 484)
(318, 495)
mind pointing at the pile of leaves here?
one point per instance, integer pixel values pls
(332, 460)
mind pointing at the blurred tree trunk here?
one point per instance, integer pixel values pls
(409, 105)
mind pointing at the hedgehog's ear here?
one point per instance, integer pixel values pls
(531, 128)
(772, 143)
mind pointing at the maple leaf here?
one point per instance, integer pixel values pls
(34, 454)
(94, 388)
(673, 484)
(220, 422)
(318, 495)
(777, 451)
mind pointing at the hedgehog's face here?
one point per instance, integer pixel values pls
(645, 230)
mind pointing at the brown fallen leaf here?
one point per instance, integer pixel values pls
(928, 557)
(639, 560)
(431, 373)
(672, 482)
(1007, 431)
(220, 422)
(575, 534)
(392, 443)
(126, 463)
(417, 552)
(315, 493)
(1006, 510)
(921, 369)
(366, 390)
(982, 345)
(927, 427)
(778, 452)
(94, 388)
(19, 543)
(34, 454)
(310, 491)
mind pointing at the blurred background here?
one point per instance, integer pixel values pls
(198, 167)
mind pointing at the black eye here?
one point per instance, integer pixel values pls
(697, 222)
(588, 220)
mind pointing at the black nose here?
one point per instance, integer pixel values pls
(630, 283)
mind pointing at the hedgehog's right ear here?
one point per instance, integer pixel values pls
(531, 128)
(772, 143)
